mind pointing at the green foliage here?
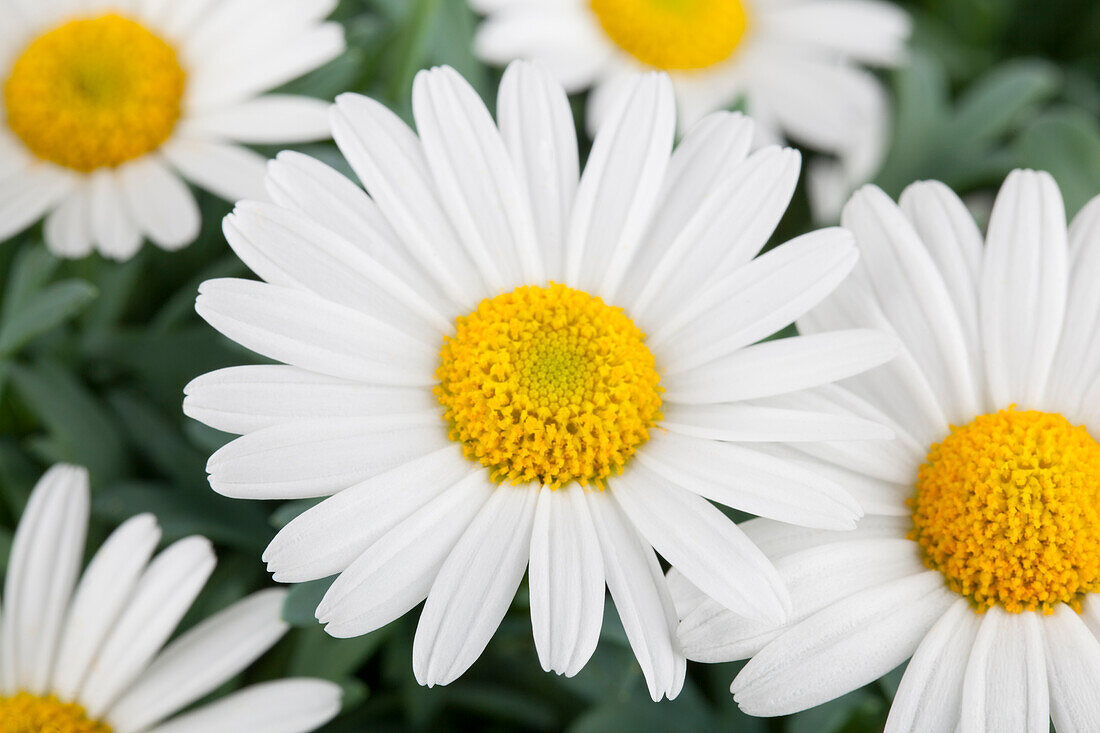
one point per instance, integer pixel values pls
(94, 356)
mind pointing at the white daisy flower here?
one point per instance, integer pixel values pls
(980, 554)
(85, 656)
(495, 364)
(105, 104)
(794, 63)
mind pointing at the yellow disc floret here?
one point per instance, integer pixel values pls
(674, 34)
(94, 93)
(25, 713)
(549, 385)
(1008, 509)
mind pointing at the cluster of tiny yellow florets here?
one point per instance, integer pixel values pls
(674, 34)
(1008, 509)
(94, 93)
(26, 713)
(548, 385)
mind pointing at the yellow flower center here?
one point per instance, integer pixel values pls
(94, 92)
(25, 713)
(674, 34)
(549, 385)
(1008, 509)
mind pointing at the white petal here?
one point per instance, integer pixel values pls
(641, 598)
(697, 539)
(26, 196)
(755, 300)
(914, 298)
(162, 596)
(842, 647)
(478, 185)
(1073, 667)
(325, 539)
(1023, 288)
(99, 598)
(247, 398)
(388, 159)
(751, 480)
(267, 120)
(817, 577)
(930, 694)
(45, 559)
(320, 457)
(225, 169)
(870, 31)
(620, 184)
(537, 126)
(161, 204)
(780, 366)
(779, 539)
(114, 228)
(1006, 678)
(721, 228)
(474, 587)
(566, 580)
(200, 660)
(395, 573)
(740, 422)
(302, 329)
(283, 706)
(68, 228)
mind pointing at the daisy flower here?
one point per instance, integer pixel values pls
(85, 656)
(980, 554)
(105, 105)
(794, 64)
(496, 365)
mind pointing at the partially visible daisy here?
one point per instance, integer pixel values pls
(980, 554)
(86, 656)
(494, 363)
(795, 64)
(105, 105)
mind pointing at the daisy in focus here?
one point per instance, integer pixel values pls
(794, 64)
(106, 107)
(979, 556)
(85, 656)
(495, 364)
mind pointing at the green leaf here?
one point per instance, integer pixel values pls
(316, 654)
(43, 310)
(32, 268)
(1066, 143)
(1000, 100)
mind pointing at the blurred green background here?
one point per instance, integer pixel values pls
(94, 356)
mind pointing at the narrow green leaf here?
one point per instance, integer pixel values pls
(43, 310)
(1066, 143)
(1000, 100)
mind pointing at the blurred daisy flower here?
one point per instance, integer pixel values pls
(105, 105)
(85, 659)
(980, 554)
(793, 64)
(497, 365)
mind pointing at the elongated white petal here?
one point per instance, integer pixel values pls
(751, 480)
(247, 398)
(1023, 288)
(930, 694)
(864, 30)
(619, 187)
(760, 423)
(68, 228)
(477, 183)
(198, 662)
(283, 706)
(114, 228)
(266, 120)
(100, 597)
(1073, 666)
(326, 538)
(304, 330)
(162, 596)
(842, 647)
(45, 559)
(641, 598)
(816, 577)
(779, 539)
(1006, 678)
(566, 579)
(27, 195)
(227, 170)
(396, 572)
(537, 126)
(161, 204)
(709, 549)
(474, 587)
